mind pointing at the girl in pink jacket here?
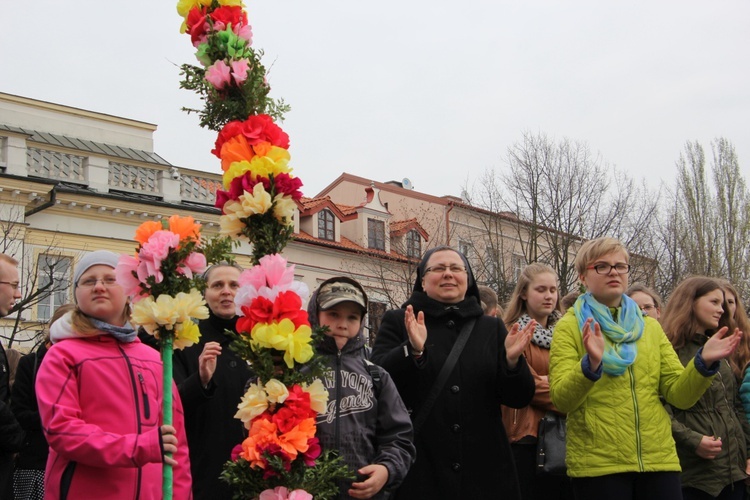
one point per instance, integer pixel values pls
(100, 395)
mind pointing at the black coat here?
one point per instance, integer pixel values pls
(35, 449)
(11, 434)
(462, 449)
(212, 431)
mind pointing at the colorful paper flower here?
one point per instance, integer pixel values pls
(283, 336)
(219, 75)
(318, 396)
(253, 403)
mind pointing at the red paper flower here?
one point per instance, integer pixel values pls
(256, 128)
(288, 185)
(313, 452)
(225, 15)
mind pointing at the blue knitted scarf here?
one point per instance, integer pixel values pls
(620, 336)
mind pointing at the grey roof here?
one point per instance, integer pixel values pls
(99, 148)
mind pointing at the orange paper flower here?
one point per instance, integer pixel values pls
(235, 149)
(185, 227)
(262, 434)
(146, 230)
(296, 440)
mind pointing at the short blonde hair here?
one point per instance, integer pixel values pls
(593, 249)
(7, 258)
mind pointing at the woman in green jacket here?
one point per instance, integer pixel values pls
(712, 436)
(608, 368)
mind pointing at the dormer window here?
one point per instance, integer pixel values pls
(326, 225)
(413, 244)
(376, 234)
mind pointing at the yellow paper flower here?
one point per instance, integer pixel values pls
(283, 337)
(254, 402)
(259, 202)
(283, 209)
(275, 162)
(190, 305)
(152, 314)
(277, 392)
(318, 395)
(230, 224)
(186, 334)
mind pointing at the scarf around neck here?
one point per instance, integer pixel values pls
(620, 336)
(125, 333)
(542, 336)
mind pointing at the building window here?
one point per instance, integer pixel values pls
(326, 225)
(413, 244)
(53, 281)
(464, 247)
(518, 264)
(376, 234)
(375, 313)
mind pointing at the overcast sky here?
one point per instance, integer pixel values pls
(426, 89)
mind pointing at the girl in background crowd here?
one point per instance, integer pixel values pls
(28, 478)
(100, 397)
(535, 298)
(647, 299)
(608, 368)
(741, 358)
(712, 435)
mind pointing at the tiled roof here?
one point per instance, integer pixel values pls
(347, 245)
(310, 203)
(347, 209)
(98, 148)
(401, 227)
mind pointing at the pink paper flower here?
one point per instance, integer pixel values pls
(195, 263)
(269, 278)
(245, 32)
(154, 251)
(239, 71)
(218, 75)
(282, 493)
(125, 278)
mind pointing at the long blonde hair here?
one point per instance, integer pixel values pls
(517, 304)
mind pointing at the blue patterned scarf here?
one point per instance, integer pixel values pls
(620, 336)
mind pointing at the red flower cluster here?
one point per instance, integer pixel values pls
(199, 21)
(261, 310)
(287, 431)
(283, 183)
(256, 129)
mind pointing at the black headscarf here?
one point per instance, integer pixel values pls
(472, 290)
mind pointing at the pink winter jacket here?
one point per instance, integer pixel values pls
(100, 405)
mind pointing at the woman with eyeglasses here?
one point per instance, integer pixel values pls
(462, 448)
(609, 366)
(99, 392)
(647, 299)
(712, 435)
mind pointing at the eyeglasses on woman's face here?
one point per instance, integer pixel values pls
(91, 282)
(440, 269)
(602, 268)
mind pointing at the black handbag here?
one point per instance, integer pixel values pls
(550, 447)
